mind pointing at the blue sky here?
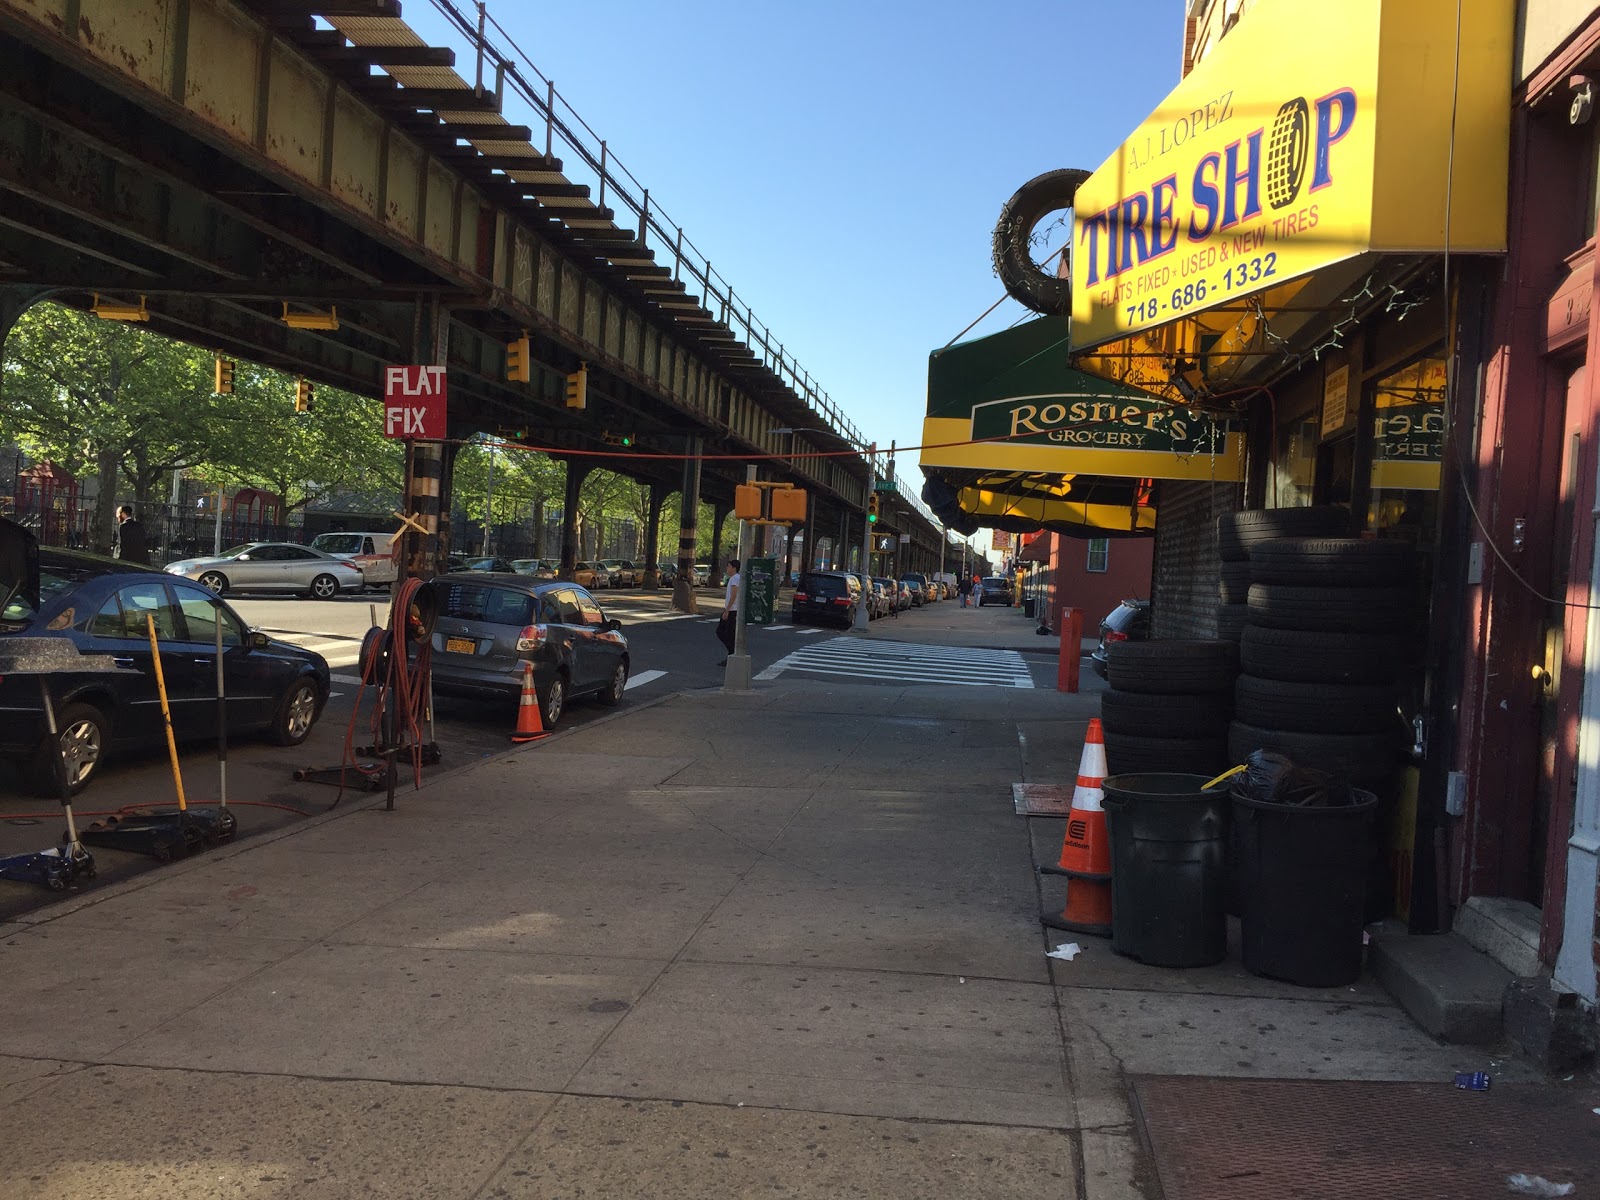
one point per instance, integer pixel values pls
(842, 163)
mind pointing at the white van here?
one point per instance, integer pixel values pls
(375, 553)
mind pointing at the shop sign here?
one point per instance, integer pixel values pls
(1094, 421)
(1266, 163)
(1408, 427)
(1335, 400)
(1000, 541)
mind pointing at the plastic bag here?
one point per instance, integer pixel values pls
(1273, 778)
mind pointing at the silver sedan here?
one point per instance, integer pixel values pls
(273, 567)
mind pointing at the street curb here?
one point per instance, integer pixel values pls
(69, 905)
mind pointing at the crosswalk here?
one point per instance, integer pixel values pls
(905, 662)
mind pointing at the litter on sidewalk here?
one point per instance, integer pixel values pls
(1067, 951)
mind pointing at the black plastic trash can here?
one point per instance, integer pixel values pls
(1168, 869)
(1302, 881)
(1028, 605)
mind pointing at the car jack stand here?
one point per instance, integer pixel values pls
(60, 866)
(163, 836)
(361, 777)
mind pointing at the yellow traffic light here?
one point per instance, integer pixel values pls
(517, 366)
(578, 388)
(224, 377)
(302, 395)
(872, 509)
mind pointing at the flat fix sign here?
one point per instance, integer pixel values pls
(414, 403)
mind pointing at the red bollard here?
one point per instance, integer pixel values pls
(1071, 650)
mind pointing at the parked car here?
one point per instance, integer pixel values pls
(454, 562)
(592, 575)
(100, 606)
(1128, 622)
(272, 567)
(919, 589)
(491, 563)
(702, 574)
(668, 573)
(892, 597)
(827, 597)
(537, 567)
(995, 589)
(623, 573)
(867, 598)
(376, 554)
(486, 629)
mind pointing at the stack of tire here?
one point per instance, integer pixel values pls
(1169, 707)
(1321, 656)
(1237, 532)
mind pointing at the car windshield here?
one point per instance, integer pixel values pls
(1124, 616)
(480, 564)
(476, 602)
(993, 581)
(337, 543)
(51, 583)
(235, 551)
(824, 584)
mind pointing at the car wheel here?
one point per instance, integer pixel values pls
(296, 714)
(84, 734)
(555, 699)
(215, 580)
(617, 685)
(324, 587)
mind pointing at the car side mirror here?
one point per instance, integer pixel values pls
(259, 640)
(612, 625)
(243, 558)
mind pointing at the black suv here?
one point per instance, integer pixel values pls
(1128, 622)
(829, 597)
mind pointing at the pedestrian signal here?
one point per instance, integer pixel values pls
(747, 502)
(302, 395)
(789, 505)
(578, 388)
(517, 366)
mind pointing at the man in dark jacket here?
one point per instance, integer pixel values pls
(129, 542)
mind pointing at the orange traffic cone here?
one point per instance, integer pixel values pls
(1085, 851)
(530, 725)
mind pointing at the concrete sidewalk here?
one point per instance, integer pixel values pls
(782, 943)
(989, 628)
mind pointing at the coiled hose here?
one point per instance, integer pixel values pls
(400, 680)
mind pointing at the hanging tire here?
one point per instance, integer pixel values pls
(1127, 754)
(1148, 714)
(1333, 562)
(1316, 707)
(1234, 585)
(1333, 610)
(1172, 668)
(1238, 531)
(1368, 760)
(1310, 656)
(1023, 279)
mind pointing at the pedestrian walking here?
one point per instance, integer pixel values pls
(128, 543)
(730, 607)
(965, 588)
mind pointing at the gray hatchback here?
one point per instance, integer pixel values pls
(488, 626)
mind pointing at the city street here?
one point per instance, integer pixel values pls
(671, 652)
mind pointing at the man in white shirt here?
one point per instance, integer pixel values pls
(730, 607)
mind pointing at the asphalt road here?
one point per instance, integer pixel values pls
(670, 652)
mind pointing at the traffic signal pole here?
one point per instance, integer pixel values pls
(863, 610)
(736, 677)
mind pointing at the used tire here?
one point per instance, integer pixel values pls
(1316, 707)
(1172, 668)
(84, 733)
(1147, 714)
(1238, 531)
(1332, 562)
(1231, 620)
(1368, 760)
(1335, 610)
(1234, 586)
(1310, 656)
(1023, 279)
(1127, 754)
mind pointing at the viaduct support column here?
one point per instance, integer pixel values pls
(718, 516)
(428, 464)
(652, 538)
(683, 594)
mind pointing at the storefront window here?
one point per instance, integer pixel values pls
(1294, 465)
(1099, 555)
(1408, 452)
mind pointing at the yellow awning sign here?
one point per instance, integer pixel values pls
(1313, 134)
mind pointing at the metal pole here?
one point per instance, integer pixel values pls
(488, 506)
(736, 678)
(863, 615)
(222, 720)
(216, 529)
